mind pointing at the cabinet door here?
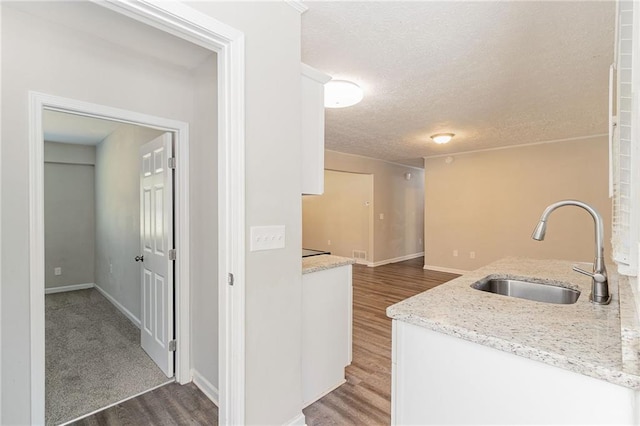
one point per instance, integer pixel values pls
(313, 130)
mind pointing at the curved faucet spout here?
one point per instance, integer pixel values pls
(600, 287)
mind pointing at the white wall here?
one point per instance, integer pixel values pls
(61, 62)
(69, 214)
(204, 221)
(117, 203)
(38, 55)
(273, 278)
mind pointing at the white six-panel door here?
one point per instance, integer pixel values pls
(156, 239)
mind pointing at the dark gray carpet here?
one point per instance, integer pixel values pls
(93, 356)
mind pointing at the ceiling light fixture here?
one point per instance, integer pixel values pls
(341, 94)
(442, 137)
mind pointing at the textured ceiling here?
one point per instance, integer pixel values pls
(494, 73)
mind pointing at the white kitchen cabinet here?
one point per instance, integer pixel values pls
(326, 330)
(440, 379)
(313, 130)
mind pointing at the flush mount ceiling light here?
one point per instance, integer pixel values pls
(341, 94)
(442, 137)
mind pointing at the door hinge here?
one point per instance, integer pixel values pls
(230, 278)
(172, 163)
(172, 345)
(172, 254)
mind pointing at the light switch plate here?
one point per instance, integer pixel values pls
(267, 237)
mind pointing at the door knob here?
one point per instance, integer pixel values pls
(139, 258)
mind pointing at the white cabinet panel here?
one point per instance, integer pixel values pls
(440, 379)
(326, 331)
(313, 130)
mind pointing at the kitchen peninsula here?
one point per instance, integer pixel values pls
(458, 351)
(326, 324)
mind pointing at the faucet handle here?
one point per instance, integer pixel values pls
(597, 276)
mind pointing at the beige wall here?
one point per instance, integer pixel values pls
(342, 215)
(401, 202)
(69, 214)
(489, 202)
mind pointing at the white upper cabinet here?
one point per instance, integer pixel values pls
(313, 130)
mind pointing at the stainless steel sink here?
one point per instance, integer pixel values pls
(538, 292)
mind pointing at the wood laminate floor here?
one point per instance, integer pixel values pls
(364, 400)
(366, 397)
(169, 405)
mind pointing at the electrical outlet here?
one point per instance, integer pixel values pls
(381, 216)
(328, 242)
(267, 237)
(57, 271)
(419, 241)
(472, 255)
(455, 253)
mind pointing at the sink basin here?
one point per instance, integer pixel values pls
(538, 292)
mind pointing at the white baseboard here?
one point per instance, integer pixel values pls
(395, 259)
(298, 420)
(63, 288)
(205, 386)
(120, 307)
(449, 270)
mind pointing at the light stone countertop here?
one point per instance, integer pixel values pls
(581, 337)
(324, 261)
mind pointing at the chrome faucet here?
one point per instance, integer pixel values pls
(599, 284)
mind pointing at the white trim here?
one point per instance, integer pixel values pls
(189, 24)
(127, 313)
(65, 288)
(298, 420)
(168, 382)
(372, 159)
(395, 259)
(185, 22)
(443, 269)
(205, 386)
(314, 74)
(37, 103)
(524, 145)
(297, 5)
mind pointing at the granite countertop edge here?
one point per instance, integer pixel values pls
(609, 353)
(323, 262)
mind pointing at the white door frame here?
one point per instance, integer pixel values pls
(182, 21)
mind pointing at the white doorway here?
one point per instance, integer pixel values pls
(340, 221)
(102, 333)
(227, 43)
(132, 134)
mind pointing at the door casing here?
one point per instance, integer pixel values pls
(38, 103)
(228, 43)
